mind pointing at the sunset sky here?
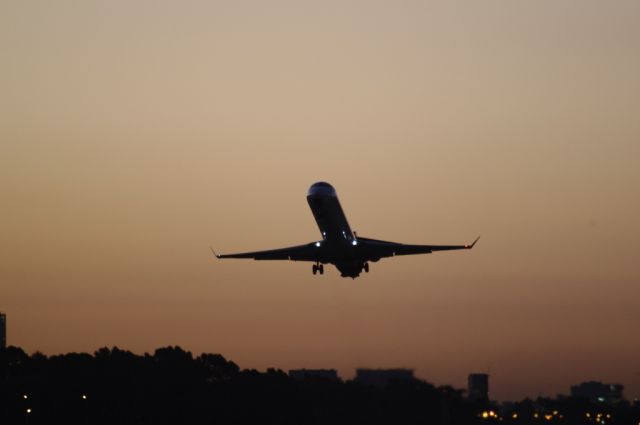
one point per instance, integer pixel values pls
(135, 134)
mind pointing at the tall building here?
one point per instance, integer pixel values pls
(478, 387)
(3, 330)
(599, 392)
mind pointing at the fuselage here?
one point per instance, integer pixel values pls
(328, 213)
(338, 238)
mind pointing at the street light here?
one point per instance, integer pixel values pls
(85, 407)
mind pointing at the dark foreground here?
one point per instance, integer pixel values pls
(113, 386)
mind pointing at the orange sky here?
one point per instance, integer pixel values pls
(133, 135)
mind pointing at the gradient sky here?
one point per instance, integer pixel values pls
(134, 134)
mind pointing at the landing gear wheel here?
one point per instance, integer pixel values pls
(314, 269)
(321, 269)
(366, 267)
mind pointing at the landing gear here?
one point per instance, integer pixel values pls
(366, 267)
(317, 268)
(314, 268)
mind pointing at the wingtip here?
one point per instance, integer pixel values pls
(214, 253)
(473, 243)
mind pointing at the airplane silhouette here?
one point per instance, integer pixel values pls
(339, 246)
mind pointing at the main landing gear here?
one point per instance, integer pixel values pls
(318, 268)
(366, 267)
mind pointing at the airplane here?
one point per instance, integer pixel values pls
(339, 246)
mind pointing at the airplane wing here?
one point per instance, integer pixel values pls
(377, 249)
(307, 252)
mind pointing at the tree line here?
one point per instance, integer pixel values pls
(172, 386)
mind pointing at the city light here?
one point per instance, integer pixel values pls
(599, 417)
(514, 416)
(486, 414)
(28, 410)
(25, 396)
(84, 396)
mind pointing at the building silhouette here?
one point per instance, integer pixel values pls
(382, 377)
(3, 330)
(599, 392)
(478, 387)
